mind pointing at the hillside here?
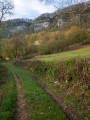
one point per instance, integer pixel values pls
(84, 52)
(10, 27)
(62, 19)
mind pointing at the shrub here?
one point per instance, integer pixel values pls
(69, 70)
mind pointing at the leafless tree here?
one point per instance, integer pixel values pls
(6, 8)
(63, 3)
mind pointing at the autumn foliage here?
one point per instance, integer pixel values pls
(44, 42)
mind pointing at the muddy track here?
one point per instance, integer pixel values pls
(21, 113)
(68, 110)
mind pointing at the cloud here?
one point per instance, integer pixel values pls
(31, 8)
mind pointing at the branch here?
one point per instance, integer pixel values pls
(6, 8)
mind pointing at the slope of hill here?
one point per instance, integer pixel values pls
(84, 52)
(10, 27)
(78, 14)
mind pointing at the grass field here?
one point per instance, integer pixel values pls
(40, 104)
(84, 52)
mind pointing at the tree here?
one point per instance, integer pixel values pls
(63, 3)
(6, 8)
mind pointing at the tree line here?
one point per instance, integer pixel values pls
(24, 46)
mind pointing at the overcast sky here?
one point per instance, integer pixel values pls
(31, 8)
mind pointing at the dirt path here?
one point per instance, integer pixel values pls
(21, 103)
(68, 110)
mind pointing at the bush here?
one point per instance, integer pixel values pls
(69, 70)
(77, 35)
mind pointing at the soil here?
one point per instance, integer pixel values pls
(21, 113)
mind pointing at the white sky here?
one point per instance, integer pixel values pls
(31, 8)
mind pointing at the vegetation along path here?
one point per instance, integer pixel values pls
(68, 110)
(33, 102)
(40, 104)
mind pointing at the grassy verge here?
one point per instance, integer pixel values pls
(40, 105)
(8, 99)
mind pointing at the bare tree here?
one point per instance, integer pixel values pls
(63, 3)
(6, 8)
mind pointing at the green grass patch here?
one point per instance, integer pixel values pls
(8, 99)
(40, 104)
(64, 55)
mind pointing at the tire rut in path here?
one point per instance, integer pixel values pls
(21, 113)
(68, 110)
